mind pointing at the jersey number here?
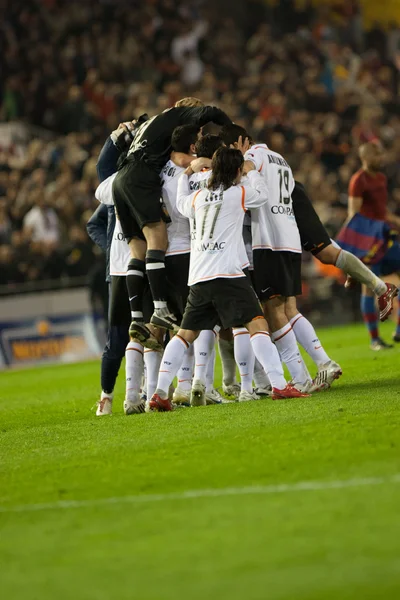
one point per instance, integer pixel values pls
(284, 182)
(214, 209)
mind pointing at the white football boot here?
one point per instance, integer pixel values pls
(104, 405)
(304, 388)
(263, 391)
(248, 396)
(134, 406)
(181, 397)
(232, 389)
(326, 375)
(198, 394)
(214, 397)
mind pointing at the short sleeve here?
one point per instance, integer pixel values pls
(356, 186)
(256, 158)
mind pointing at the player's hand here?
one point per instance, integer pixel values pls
(242, 145)
(123, 135)
(199, 164)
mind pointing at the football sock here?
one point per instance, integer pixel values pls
(185, 373)
(307, 337)
(152, 360)
(260, 377)
(227, 353)
(203, 348)
(244, 357)
(133, 370)
(156, 274)
(353, 266)
(135, 284)
(210, 371)
(267, 353)
(286, 342)
(397, 332)
(170, 363)
(370, 316)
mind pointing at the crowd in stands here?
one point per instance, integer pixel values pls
(311, 83)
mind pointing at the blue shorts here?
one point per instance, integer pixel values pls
(390, 263)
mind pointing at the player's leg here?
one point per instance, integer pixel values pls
(227, 354)
(245, 359)
(204, 359)
(328, 369)
(185, 378)
(118, 337)
(261, 381)
(133, 376)
(244, 307)
(212, 395)
(370, 317)
(200, 315)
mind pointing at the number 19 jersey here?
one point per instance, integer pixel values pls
(217, 244)
(273, 225)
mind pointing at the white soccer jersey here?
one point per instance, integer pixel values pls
(198, 181)
(103, 192)
(119, 253)
(218, 215)
(274, 226)
(178, 230)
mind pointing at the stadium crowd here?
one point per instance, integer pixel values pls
(311, 83)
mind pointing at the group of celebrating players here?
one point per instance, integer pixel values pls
(205, 235)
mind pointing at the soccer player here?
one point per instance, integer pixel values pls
(368, 234)
(219, 290)
(137, 192)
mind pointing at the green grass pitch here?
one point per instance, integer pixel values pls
(330, 531)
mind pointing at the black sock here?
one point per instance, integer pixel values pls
(156, 274)
(135, 285)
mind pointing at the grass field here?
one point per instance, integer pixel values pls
(264, 500)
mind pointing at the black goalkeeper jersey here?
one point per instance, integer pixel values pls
(152, 142)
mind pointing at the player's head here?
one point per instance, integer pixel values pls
(184, 138)
(227, 168)
(189, 101)
(371, 155)
(231, 133)
(207, 145)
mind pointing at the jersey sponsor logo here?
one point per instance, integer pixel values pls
(120, 237)
(194, 186)
(210, 246)
(279, 209)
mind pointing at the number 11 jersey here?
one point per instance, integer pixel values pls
(273, 225)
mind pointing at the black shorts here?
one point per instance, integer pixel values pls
(229, 302)
(177, 268)
(119, 312)
(277, 273)
(313, 234)
(137, 198)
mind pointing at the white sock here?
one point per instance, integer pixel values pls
(105, 395)
(133, 370)
(185, 373)
(353, 266)
(268, 356)
(227, 353)
(244, 357)
(307, 337)
(210, 371)
(170, 364)
(260, 377)
(285, 341)
(203, 348)
(152, 361)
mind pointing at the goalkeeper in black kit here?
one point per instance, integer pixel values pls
(143, 217)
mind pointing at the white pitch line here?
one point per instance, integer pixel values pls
(301, 486)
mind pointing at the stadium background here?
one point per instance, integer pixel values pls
(313, 79)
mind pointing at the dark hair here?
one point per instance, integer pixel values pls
(225, 165)
(207, 145)
(183, 137)
(231, 133)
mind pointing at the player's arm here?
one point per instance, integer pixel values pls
(103, 192)
(201, 115)
(97, 227)
(185, 198)
(256, 191)
(392, 218)
(356, 190)
(354, 206)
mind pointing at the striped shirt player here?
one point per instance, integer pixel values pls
(220, 293)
